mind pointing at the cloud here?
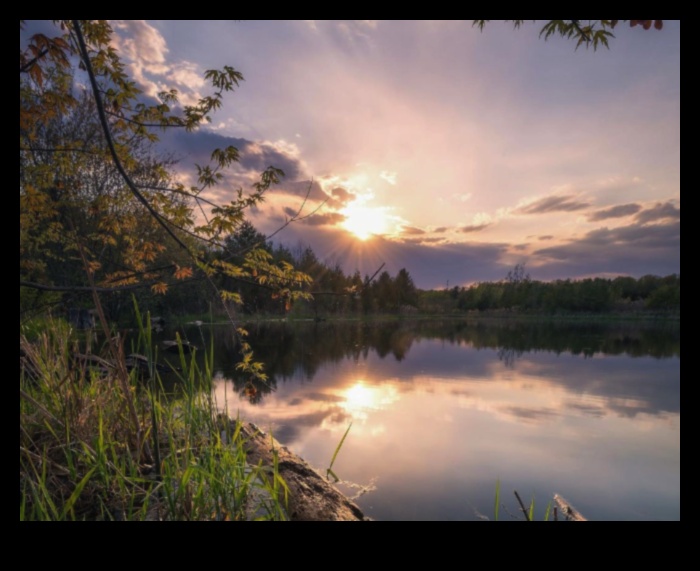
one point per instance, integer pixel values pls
(547, 237)
(619, 211)
(323, 397)
(636, 249)
(389, 177)
(530, 415)
(341, 195)
(412, 230)
(303, 188)
(138, 40)
(430, 264)
(423, 240)
(568, 203)
(474, 227)
(661, 211)
(441, 230)
(254, 156)
(145, 50)
(327, 219)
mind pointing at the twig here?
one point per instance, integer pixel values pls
(370, 280)
(522, 505)
(25, 68)
(84, 289)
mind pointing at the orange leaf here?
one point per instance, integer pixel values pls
(182, 273)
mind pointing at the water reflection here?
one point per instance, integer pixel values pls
(441, 410)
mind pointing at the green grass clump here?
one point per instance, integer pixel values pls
(100, 443)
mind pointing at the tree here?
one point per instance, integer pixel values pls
(94, 195)
(406, 292)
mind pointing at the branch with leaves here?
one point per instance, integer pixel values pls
(589, 33)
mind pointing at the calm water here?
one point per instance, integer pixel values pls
(441, 411)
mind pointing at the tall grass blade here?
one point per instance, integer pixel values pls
(68, 507)
(548, 511)
(497, 501)
(330, 472)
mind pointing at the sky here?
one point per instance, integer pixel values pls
(436, 147)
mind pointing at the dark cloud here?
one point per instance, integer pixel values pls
(534, 415)
(326, 219)
(661, 237)
(636, 249)
(586, 409)
(430, 265)
(254, 157)
(618, 211)
(545, 238)
(440, 230)
(567, 203)
(474, 228)
(520, 247)
(303, 188)
(661, 211)
(341, 195)
(412, 231)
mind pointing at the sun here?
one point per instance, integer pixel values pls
(365, 221)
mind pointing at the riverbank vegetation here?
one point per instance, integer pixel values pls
(100, 440)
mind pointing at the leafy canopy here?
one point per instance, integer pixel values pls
(96, 196)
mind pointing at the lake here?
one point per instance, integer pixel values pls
(442, 411)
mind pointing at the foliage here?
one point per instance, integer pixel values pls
(593, 295)
(96, 197)
(78, 458)
(590, 33)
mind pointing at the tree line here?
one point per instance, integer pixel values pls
(518, 292)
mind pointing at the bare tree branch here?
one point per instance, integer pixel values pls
(110, 142)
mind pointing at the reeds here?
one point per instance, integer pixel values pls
(85, 456)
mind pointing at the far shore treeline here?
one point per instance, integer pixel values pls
(337, 294)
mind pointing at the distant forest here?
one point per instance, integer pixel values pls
(335, 293)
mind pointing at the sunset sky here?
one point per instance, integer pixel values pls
(451, 152)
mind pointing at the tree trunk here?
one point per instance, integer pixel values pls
(311, 497)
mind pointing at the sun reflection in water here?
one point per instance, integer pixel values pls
(360, 399)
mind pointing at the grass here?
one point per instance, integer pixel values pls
(329, 472)
(526, 512)
(101, 443)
